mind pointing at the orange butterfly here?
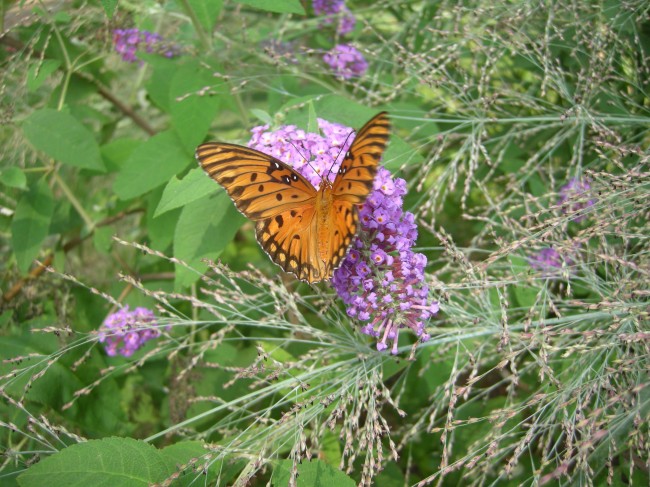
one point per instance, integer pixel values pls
(305, 231)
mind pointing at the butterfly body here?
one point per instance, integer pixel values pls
(304, 230)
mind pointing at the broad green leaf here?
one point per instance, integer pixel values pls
(203, 230)
(206, 11)
(39, 72)
(178, 192)
(151, 164)
(262, 116)
(312, 125)
(160, 80)
(63, 138)
(31, 223)
(193, 102)
(279, 6)
(107, 462)
(13, 177)
(109, 7)
(117, 152)
(315, 473)
(103, 238)
(159, 228)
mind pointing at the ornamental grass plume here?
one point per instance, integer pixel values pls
(124, 332)
(129, 41)
(381, 280)
(346, 61)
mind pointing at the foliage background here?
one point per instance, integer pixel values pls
(531, 377)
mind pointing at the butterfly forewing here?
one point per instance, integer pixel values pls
(260, 185)
(355, 178)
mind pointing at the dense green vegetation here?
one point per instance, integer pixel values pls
(522, 130)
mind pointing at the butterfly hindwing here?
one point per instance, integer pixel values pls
(344, 222)
(289, 238)
(355, 177)
(260, 185)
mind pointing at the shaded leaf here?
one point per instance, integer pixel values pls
(151, 164)
(31, 223)
(63, 138)
(204, 229)
(178, 192)
(107, 462)
(279, 6)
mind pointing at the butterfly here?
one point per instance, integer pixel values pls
(306, 231)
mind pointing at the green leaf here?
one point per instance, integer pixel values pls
(158, 228)
(109, 7)
(117, 152)
(151, 164)
(193, 102)
(161, 79)
(31, 223)
(312, 124)
(315, 473)
(206, 11)
(63, 138)
(203, 230)
(13, 177)
(39, 72)
(103, 238)
(279, 6)
(262, 116)
(111, 461)
(178, 192)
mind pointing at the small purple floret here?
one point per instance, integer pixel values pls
(346, 61)
(124, 331)
(128, 41)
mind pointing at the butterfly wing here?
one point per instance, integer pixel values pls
(354, 180)
(260, 185)
(352, 185)
(276, 197)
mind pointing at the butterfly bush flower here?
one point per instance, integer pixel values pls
(574, 193)
(381, 280)
(548, 261)
(346, 61)
(126, 331)
(128, 41)
(335, 10)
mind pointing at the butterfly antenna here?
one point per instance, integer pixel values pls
(337, 157)
(303, 156)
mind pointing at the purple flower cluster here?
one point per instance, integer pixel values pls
(128, 41)
(572, 195)
(381, 279)
(346, 61)
(126, 331)
(548, 261)
(335, 10)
